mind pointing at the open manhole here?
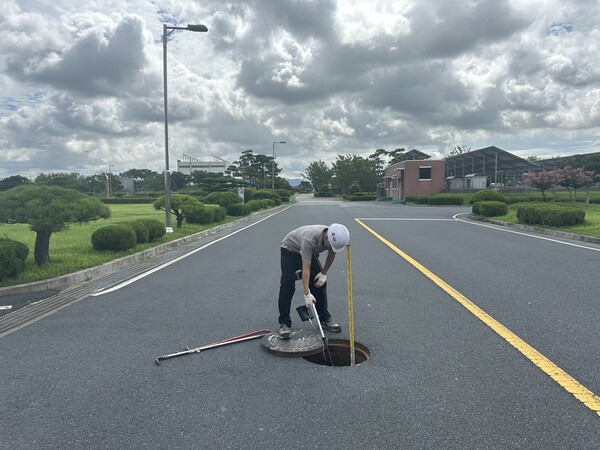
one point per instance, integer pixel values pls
(339, 349)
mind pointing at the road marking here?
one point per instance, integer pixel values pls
(5, 307)
(173, 261)
(498, 228)
(566, 381)
(397, 218)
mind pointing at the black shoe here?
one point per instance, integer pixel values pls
(330, 325)
(284, 332)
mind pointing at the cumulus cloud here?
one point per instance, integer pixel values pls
(82, 84)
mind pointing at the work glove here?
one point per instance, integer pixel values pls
(320, 280)
(310, 300)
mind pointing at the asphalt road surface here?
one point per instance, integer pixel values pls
(480, 338)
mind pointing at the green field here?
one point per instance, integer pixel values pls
(71, 250)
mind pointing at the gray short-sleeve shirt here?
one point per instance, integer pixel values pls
(306, 240)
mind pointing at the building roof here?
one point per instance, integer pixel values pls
(410, 155)
(484, 159)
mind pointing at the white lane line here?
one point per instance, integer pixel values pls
(190, 253)
(400, 219)
(524, 234)
(5, 307)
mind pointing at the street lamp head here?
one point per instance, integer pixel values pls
(200, 28)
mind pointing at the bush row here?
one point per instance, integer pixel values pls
(550, 215)
(490, 208)
(126, 235)
(12, 258)
(359, 197)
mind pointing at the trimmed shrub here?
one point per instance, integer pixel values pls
(523, 198)
(490, 209)
(12, 258)
(219, 212)
(442, 199)
(199, 214)
(142, 234)
(155, 227)
(358, 197)
(418, 199)
(324, 194)
(284, 194)
(486, 196)
(238, 209)
(222, 198)
(248, 192)
(113, 238)
(550, 215)
(267, 194)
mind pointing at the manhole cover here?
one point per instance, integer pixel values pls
(300, 343)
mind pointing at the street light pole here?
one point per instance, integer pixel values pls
(273, 164)
(197, 28)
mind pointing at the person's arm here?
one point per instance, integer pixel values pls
(305, 276)
(328, 262)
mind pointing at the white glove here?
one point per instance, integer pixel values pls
(310, 300)
(320, 280)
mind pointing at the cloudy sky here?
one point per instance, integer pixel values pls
(81, 80)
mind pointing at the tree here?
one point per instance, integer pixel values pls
(179, 180)
(575, 179)
(542, 180)
(318, 174)
(344, 172)
(48, 209)
(304, 187)
(69, 180)
(11, 182)
(178, 204)
(395, 155)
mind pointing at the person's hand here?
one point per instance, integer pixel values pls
(320, 280)
(310, 300)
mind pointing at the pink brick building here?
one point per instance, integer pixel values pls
(420, 177)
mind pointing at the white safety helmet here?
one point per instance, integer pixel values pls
(338, 236)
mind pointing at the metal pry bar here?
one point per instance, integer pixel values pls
(244, 337)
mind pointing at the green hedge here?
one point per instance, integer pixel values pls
(490, 208)
(444, 199)
(142, 234)
(113, 238)
(484, 196)
(127, 200)
(324, 194)
(223, 199)
(156, 228)
(267, 194)
(198, 214)
(550, 215)
(284, 194)
(359, 197)
(239, 209)
(219, 212)
(418, 199)
(12, 258)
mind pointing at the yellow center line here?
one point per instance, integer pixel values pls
(570, 384)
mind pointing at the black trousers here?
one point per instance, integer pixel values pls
(290, 263)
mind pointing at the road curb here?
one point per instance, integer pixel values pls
(85, 275)
(554, 233)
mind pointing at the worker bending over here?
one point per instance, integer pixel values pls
(300, 249)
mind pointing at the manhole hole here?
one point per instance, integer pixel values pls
(339, 350)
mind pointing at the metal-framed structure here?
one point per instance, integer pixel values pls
(502, 169)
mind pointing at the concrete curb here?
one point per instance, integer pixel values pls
(85, 275)
(554, 233)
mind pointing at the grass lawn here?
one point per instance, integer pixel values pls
(591, 227)
(71, 250)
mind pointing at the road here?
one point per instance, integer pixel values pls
(479, 337)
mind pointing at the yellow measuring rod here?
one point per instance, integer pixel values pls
(350, 310)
